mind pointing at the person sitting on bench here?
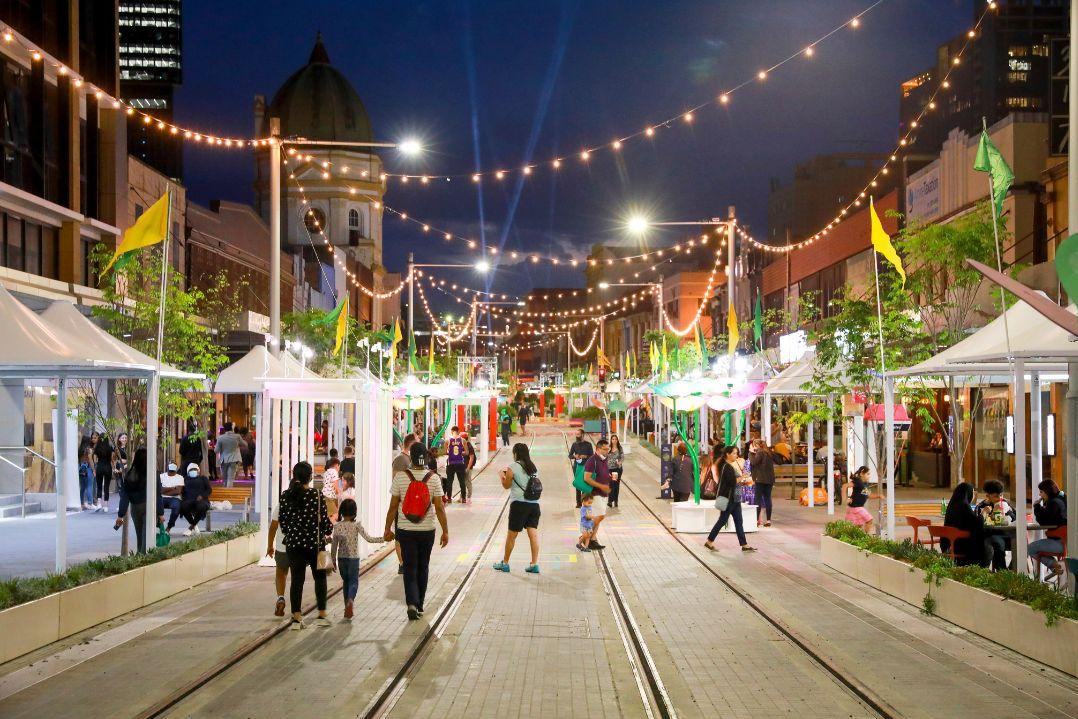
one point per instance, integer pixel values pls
(196, 498)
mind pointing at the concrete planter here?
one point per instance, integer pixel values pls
(36, 624)
(1000, 620)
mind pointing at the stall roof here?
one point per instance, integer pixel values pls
(984, 353)
(248, 374)
(35, 347)
(790, 380)
(66, 316)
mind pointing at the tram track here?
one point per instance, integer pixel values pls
(859, 691)
(388, 694)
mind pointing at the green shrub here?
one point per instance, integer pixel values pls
(1010, 585)
(587, 413)
(26, 589)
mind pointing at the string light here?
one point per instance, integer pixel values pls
(584, 352)
(861, 198)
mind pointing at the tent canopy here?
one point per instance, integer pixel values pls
(791, 379)
(64, 315)
(247, 374)
(36, 347)
(984, 353)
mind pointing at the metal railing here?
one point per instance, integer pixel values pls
(22, 485)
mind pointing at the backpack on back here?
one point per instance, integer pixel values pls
(534, 488)
(416, 500)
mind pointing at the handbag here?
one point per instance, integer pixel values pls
(578, 480)
(163, 538)
(323, 561)
(709, 488)
(721, 503)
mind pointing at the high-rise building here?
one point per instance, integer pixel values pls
(151, 50)
(1006, 68)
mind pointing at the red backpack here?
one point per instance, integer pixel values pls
(416, 499)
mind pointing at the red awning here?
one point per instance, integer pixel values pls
(634, 404)
(874, 413)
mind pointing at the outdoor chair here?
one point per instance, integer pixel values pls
(1037, 559)
(951, 535)
(917, 523)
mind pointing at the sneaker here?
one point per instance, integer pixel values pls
(195, 529)
(582, 548)
(188, 532)
(501, 566)
(278, 611)
(297, 625)
(322, 622)
(99, 508)
(747, 548)
(595, 545)
(413, 613)
(419, 611)
(348, 610)
(532, 569)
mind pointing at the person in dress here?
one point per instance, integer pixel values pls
(345, 551)
(857, 491)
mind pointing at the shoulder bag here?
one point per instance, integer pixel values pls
(324, 561)
(578, 479)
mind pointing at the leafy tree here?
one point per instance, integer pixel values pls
(848, 355)
(194, 320)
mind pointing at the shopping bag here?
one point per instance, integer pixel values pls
(578, 480)
(163, 538)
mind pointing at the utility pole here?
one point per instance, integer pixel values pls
(1071, 438)
(731, 254)
(411, 289)
(275, 235)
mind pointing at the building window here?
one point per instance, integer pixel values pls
(1018, 51)
(13, 242)
(356, 229)
(314, 220)
(1017, 77)
(1019, 65)
(1023, 103)
(1040, 51)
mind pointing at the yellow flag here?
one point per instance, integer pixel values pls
(397, 337)
(342, 326)
(733, 335)
(149, 229)
(882, 243)
(430, 359)
(601, 357)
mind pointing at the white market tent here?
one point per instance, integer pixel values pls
(1020, 345)
(247, 374)
(35, 347)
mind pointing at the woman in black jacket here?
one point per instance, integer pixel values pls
(763, 476)
(682, 485)
(1050, 511)
(135, 490)
(729, 479)
(962, 515)
(305, 523)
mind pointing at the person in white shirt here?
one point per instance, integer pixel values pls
(171, 489)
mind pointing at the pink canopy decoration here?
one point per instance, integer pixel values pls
(874, 413)
(739, 399)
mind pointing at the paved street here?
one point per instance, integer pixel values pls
(553, 644)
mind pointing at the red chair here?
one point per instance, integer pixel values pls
(951, 534)
(917, 524)
(1059, 533)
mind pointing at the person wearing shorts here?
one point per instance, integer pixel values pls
(523, 513)
(597, 474)
(275, 548)
(859, 496)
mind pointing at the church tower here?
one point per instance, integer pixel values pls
(329, 192)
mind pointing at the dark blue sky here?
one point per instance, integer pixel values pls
(555, 75)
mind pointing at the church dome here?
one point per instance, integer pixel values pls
(318, 103)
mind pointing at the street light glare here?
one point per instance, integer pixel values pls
(604, 285)
(638, 224)
(410, 147)
(482, 266)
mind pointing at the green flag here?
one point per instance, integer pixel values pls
(758, 321)
(1067, 265)
(701, 347)
(990, 160)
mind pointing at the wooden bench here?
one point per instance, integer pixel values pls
(239, 497)
(796, 474)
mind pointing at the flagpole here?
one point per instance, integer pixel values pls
(999, 256)
(153, 398)
(879, 307)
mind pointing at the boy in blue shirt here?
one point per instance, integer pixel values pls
(587, 524)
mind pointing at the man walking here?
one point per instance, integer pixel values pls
(456, 460)
(230, 449)
(597, 474)
(506, 427)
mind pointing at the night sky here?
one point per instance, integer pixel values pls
(496, 84)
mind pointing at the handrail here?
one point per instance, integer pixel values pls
(23, 469)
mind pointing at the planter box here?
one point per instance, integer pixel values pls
(1000, 620)
(37, 624)
(692, 518)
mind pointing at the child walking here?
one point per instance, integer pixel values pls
(345, 550)
(587, 524)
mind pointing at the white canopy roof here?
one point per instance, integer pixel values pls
(65, 316)
(984, 353)
(293, 367)
(791, 379)
(35, 347)
(247, 374)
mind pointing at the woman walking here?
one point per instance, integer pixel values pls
(763, 477)
(614, 459)
(413, 504)
(102, 473)
(306, 530)
(521, 478)
(728, 497)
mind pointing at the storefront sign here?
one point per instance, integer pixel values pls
(923, 195)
